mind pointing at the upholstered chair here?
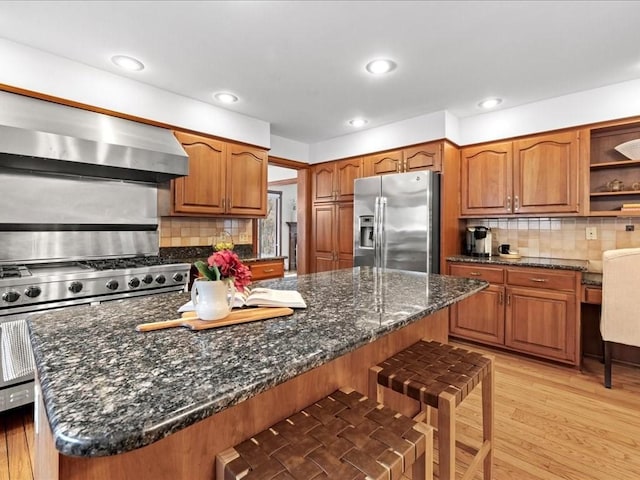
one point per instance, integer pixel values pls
(620, 319)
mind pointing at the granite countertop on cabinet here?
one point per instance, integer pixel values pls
(553, 263)
(192, 254)
(592, 278)
(108, 389)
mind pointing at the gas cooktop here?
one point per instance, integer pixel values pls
(87, 281)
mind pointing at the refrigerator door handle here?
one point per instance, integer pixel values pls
(376, 232)
(383, 234)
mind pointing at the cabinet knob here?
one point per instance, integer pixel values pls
(501, 298)
(516, 204)
(508, 203)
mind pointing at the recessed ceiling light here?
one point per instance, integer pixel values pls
(378, 67)
(225, 97)
(490, 103)
(128, 63)
(357, 122)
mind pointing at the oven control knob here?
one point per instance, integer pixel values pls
(134, 282)
(160, 279)
(178, 277)
(33, 291)
(75, 287)
(112, 284)
(147, 279)
(10, 296)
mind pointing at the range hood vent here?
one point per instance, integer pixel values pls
(43, 136)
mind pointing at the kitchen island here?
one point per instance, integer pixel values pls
(115, 403)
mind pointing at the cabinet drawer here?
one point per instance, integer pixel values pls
(264, 270)
(592, 295)
(537, 278)
(490, 274)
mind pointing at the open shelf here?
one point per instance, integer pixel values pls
(625, 163)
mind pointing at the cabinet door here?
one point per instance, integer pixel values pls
(423, 157)
(324, 238)
(203, 190)
(545, 174)
(346, 172)
(541, 322)
(344, 243)
(383, 163)
(246, 181)
(323, 181)
(480, 317)
(486, 174)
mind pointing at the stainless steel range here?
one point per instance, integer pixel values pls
(28, 288)
(78, 219)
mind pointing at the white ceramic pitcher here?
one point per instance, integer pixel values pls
(212, 300)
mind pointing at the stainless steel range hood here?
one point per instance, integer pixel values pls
(43, 136)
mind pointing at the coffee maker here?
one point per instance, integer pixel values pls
(478, 241)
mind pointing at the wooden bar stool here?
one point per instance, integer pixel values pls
(441, 376)
(343, 436)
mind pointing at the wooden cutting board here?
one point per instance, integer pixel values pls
(243, 315)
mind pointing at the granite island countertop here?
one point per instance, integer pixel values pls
(552, 263)
(108, 389)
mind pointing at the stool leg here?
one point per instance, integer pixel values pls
(488, 390)
(447, 436)
(423, 466)
(376, 392)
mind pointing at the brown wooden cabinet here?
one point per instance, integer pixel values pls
(224, 179)
(333, 181)
(534, 175)
(427, 156)
(264, 269)
(332, 242)
(530, 310)
(607, 164)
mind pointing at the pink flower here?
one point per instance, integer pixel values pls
(229, 265)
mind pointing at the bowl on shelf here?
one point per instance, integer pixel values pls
(630, 149)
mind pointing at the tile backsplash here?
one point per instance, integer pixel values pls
(197, 231)
(563, 237)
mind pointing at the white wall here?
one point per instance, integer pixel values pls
(35, 70)
(406, 132)
(591, 106)
(290, 149)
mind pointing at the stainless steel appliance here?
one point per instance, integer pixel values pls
(78, 219)
(478, 241)
(397, 221)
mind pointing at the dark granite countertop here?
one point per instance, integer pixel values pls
(592, 278)
(553, 263)
(191, 254)
(108, 389)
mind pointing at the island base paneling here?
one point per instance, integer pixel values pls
(190, 453)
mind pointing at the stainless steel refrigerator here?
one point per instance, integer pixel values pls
(397, 221)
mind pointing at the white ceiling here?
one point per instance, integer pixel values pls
(299, 65)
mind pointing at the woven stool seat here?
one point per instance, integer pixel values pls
(344, 436)
(441, 376)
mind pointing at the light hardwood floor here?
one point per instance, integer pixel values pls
(551, 423)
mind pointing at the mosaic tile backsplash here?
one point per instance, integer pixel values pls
(563, 237)
(196, 231)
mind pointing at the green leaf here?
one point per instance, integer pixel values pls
(212, 273)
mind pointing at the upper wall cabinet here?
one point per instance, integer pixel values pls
(614, 178)
(427, 156)
(224, 179)
(533, 176)
(333, 181)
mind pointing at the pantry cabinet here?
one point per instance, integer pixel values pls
(332, 241)
(427, 156)
(224, 178)
(529, 310)
(333, 181)
(538, 175)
